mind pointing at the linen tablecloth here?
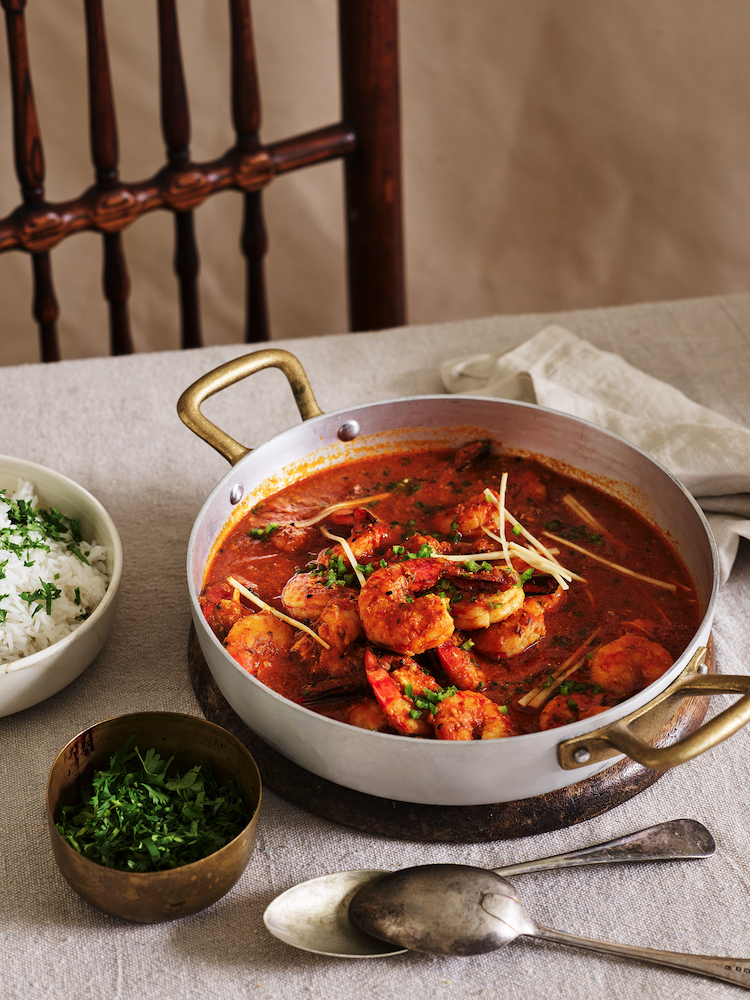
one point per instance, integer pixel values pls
(111, 425)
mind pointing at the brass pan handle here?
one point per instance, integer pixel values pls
(630, 735)
(189, 403)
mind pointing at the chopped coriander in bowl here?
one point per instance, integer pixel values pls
(153, 816)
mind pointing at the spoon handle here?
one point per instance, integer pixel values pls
(680, 838)
(731, 970)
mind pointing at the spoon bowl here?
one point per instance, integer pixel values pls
(314, 916)
(441, 910)
(460, 910)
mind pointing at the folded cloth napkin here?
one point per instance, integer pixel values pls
(707, 452)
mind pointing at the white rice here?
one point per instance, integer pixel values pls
(43, 616)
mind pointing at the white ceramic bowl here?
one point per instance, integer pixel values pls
(34, 678)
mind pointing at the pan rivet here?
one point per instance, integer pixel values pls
(581, 755)
(236, 492)
(348, 431)
(702, 668)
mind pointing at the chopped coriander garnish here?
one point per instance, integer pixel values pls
(77, 552)
(44, 595)
(135, 816)
(428, 700)
(30, 528)
(262, 533)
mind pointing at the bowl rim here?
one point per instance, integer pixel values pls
(113, 585)
(82, 859)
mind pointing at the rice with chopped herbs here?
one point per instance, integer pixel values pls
(51, 579)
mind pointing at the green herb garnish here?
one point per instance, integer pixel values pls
(429, 700)
(44, 595)
(262, 533)
(137, 817)
(30, 528)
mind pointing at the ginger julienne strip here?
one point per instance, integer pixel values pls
(612, 565)
(321, 515)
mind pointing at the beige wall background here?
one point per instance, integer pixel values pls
(557, 154)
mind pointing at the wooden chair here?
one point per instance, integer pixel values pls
(367, 138)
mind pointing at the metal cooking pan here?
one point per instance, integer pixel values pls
(434, 771)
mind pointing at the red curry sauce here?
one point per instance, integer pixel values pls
(616, 623)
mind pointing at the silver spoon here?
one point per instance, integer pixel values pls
(314, 915)
(460, 910)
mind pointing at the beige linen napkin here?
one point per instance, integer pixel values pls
(707, 452)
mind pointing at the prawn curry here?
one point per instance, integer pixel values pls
(451, 594)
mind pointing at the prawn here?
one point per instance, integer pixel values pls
(469, 715)
(339, 623)
(396, 687)
(291, 539)
(367, 714)
(416, 543)
(471, 452)
(258, 639)
(394, 618)
(545, 590)
(477, 513)
(515, 634)
(354, 517)
(628, 664)
(368, 536)
(222, 607)
(564, 709)
(305, 595)
(460, 667)
(479, 610)
(468, 518)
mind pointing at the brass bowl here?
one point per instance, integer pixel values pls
(165, 895)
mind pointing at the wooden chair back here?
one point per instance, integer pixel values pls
(367, 138)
